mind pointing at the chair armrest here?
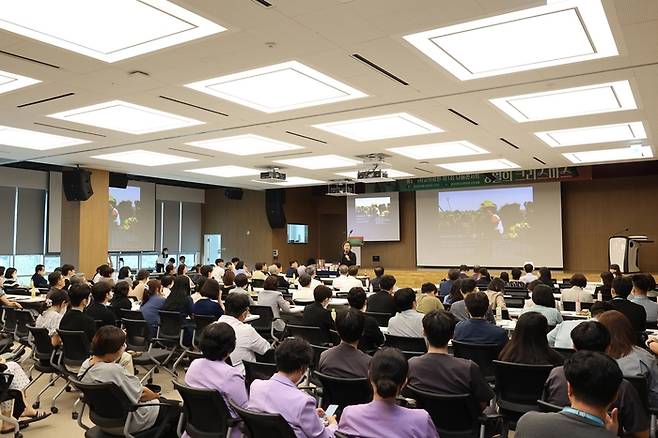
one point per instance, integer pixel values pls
(157, 404)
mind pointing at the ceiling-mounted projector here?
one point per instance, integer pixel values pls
(376, 175)
(342, 188)
(273, 176)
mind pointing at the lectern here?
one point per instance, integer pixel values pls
(356, 242)
(625, 252)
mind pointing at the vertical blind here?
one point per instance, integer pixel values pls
(7, 203)
(191, 227)
(171, 225)
(30, 221)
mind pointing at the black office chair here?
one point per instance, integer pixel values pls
(75, 350)
(170, 334)
(381, 318)
(343, 391)
(570, 306)
(514, 302)
(257, 370)
(518, 387)
(6, 395)
(131, 314)
(205, 414)
(257, 284)
(314, 335)
(43, 354)
(404, 343)
(263, 425)
(264, 324)
(193, 352)
(566, 353)
(481, 354)
(546, 407)
(455, 416)
(151, 358)
(317, 351)
(9, 327)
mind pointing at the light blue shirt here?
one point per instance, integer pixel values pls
(650, 306)
(560, 336)
(553, 316)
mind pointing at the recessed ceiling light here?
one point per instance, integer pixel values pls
(319, 162)
(391, 174)
(226, 171)
(109, 31)
(12, 81)
(126, 117)
(248, 144)
(480, 166)
(292, 181)
(521, 40)
(603, 155)
(380, 127)
(281, 87)
(141, 157)
(568, 102)
(439, 150)
(41, 141)
(594, 134)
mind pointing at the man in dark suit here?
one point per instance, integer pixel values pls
(621, 288)
(372, 335)
(383, 301)
(316, 314)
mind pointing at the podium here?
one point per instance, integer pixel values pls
(625, 252)
(356, 242)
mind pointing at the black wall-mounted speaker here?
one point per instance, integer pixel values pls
(118, 180)
(77, 184)
(274, 200)
(232, 193)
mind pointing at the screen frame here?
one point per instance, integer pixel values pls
(288, 234)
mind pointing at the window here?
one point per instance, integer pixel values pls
(130, 260)
(25, 264)
(51, 262)
(5, 260)
(190, 258)
(148, 261)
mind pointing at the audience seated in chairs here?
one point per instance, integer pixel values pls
(641, 286)
(454, 294)
(120, 300)
(56, 306)
(407, 322)
(577, 290)
(21, 410)
(56, 281)
(446, 285)
(142, 278)
(428, 300)
(621, 289)
(270, 296)
(529, 345)
(594, 336)
(372, 336)
(438, 372)
(179, 299)
(516, 282)
(544, 303)
(217, 342)
(280, 395)
(458, 308)
(374, 283)
(316, 314)
(495, 290)
(68, 272)
(476, 329)
(382, 417)
(383, 301)
(560, 336)
(107, 347)
(274, 271)
(152, 303)
(593, 380)
(97, 309)
(303, 293)
(11, 279)
(248, 342)
(241, 284)
(210, 302)
(345, 359)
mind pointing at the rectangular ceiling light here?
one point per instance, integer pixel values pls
(480, 166)
(41, 141)
(380, 127)
(522, 40)
(292, 181)
(248, 144)
(281, 87)
(618, 154)
(594, 134)
(319, 162)
(126, 117)
(12, 81)
(439, 150)
(226, 171)
(107, 30)
(568, 102)
(141, 157)
(391, 174)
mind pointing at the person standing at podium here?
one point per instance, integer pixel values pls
(348, 258)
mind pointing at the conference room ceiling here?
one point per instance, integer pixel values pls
(441, 93)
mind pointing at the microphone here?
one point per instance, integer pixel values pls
(350, 233)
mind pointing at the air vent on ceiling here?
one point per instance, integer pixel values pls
(192, 153)
(25, 58)
(287, 155)
(537, 159)
(422, 170)
(263, 3)
(306, 137)
(509, 143)
(458, 114)
(48, 99)
(69, 129)
(182, 102)
(381, 70)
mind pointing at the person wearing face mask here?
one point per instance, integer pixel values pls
(316, 314)
(98, 309)
(56, 304)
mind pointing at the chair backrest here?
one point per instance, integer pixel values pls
(108, 404)
(5, 383)
(266, 316)
(566, 353)
(520, 384)
(344, 391)
(137, 334)
(317, 351)
(131, 314)
(641, 386)
(404, 343)
(381, 318)
(206, 413)
(41, 343)
(514, 302)
(264, 425)
(548, 407)
(481, 354)
(255, 283)
(171, 325)
(9, 318)
(75, 347)
(23, 319)
(257, 370)
(516, 292)
(200, 323)
(453, 414)
(314, 335)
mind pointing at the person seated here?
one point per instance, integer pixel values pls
(427, 300)
(458, 308)
(495, 291)
(21, 410)
(516, 279)
(446, 285)
(195, 274)
(383, 301)
(529, 344)
(476, 329)
(170, 270)
(303, 293)
(152, 302)
(124, 274)
(56, 282)
(476, 273)
(455, 294)
(641, 287)
(106, 348)
(311, 270)
(545, 277)
(372, 337)
(11, 279)
(347, 279)
(218, 270)
(68, 271)
(407, 322)
(615, 270)
(374, 283)
(594, 336)
(292, 268)
(633, 360)
(280, 395)
(98, 309)
(606, 286)
(275, 272)
(439, 372)
(210, 303)
(241, 284)
(260, 271)
(179, 300)
(56, 306)
(528, 277)
(142, 278)
(577, 291)
(120, 300)
(104, 273)
(38, 279)
(560, 336)
(270, 296)
(593, 380)
(636, 314)
(504, 275)
(543, 302)
(484, 278)
(166, 281)
(212, 371)
(383, 417)
(345, 359)
(317, 315)
(248, 342)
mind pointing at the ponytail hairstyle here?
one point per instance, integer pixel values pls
(151, 288)
(388, 372)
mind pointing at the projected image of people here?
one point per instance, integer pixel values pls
(124, 207)
(375, 210)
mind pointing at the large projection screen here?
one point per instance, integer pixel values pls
(132, 217)
(375, 216)
(495, 227)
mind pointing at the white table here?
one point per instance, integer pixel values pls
(295, 309)
(338, 302)
(251, 318)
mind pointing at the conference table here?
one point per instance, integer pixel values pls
(27, 302)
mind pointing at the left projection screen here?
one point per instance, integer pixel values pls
(132, 217)
(375, 216)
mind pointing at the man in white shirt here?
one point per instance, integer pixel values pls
(241, 281)
(347, 279)
(218, 270)
(310, 270)
(304, 293)
(529, 277)
(560, 336)
(247, 340)
(577, 290)
(407, 322)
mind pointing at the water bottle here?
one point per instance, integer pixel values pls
(333, 314)
(499, 313)
(599, 296)
(578, 304)
(33, 290)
